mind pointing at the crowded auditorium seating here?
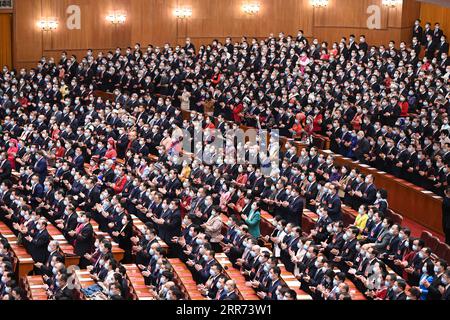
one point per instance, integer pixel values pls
(123, 175)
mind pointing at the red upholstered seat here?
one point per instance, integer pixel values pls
(426, 237)
(434, 243)
(441, 250)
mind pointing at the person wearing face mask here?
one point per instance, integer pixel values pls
(445, 287)
(114, 292)
(5, 167)
(426, 278)
(213, 228)
(385, 236)
(143, 246)
(213, 284)
(37, 243)
(348, 252)
(235, 249)
(314, 275)
(310, 191)
(53, 253)
(122, 233)
(269, 293)
(169, 223)
(336, 240)
(64, 292)
(83, 238)
(229, 291)
(253, 220)
(399, 290)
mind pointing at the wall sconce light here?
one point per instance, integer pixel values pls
(319, 3)
(251, 8)
(47, 24)
(391, 3)
(117, 18)
(183, 13)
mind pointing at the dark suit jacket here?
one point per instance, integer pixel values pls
(64, 294)
(38, 246)
(334, 208)
(171, 226)
(40, 168)
(84, 240)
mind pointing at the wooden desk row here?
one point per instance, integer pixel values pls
(246, 293)
(25, 261)
(137, 286)
(35, 288)
(137, 283)
(83, 280)
(292, 282)
(184, 279)
(66, 248)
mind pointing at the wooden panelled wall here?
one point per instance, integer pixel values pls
(6, 39)
(433, 13)
(152, 21)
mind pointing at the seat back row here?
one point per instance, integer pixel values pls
(438, 248)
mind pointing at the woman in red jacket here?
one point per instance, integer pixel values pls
(12, 151)
(242, 177)
(60, 151)
(404, 105)
(216, 77)
(54, 132)
(317, 122)
(111, 153)
(120, 182)
(237, 112)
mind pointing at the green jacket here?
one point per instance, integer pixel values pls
(253, 220)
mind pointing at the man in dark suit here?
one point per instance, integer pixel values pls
(446, 285)
(369, 193)
(64, 292)
(5, 167)
(37, 244)
(269, 293)
(37, 190)
(212, 286)
(399, 290)
(229, 291)
(430, 47)
(334, 205)
(434, 293)
(295, 207)
(310, 192)
(417, 29)
(169, 224)
(348, 251)
(53, 250)
(437, 33)
(443, 46)
(91, 195)
(40, 167)
(362, 147)
(83, 238)
(78, 160)
(143, 255)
